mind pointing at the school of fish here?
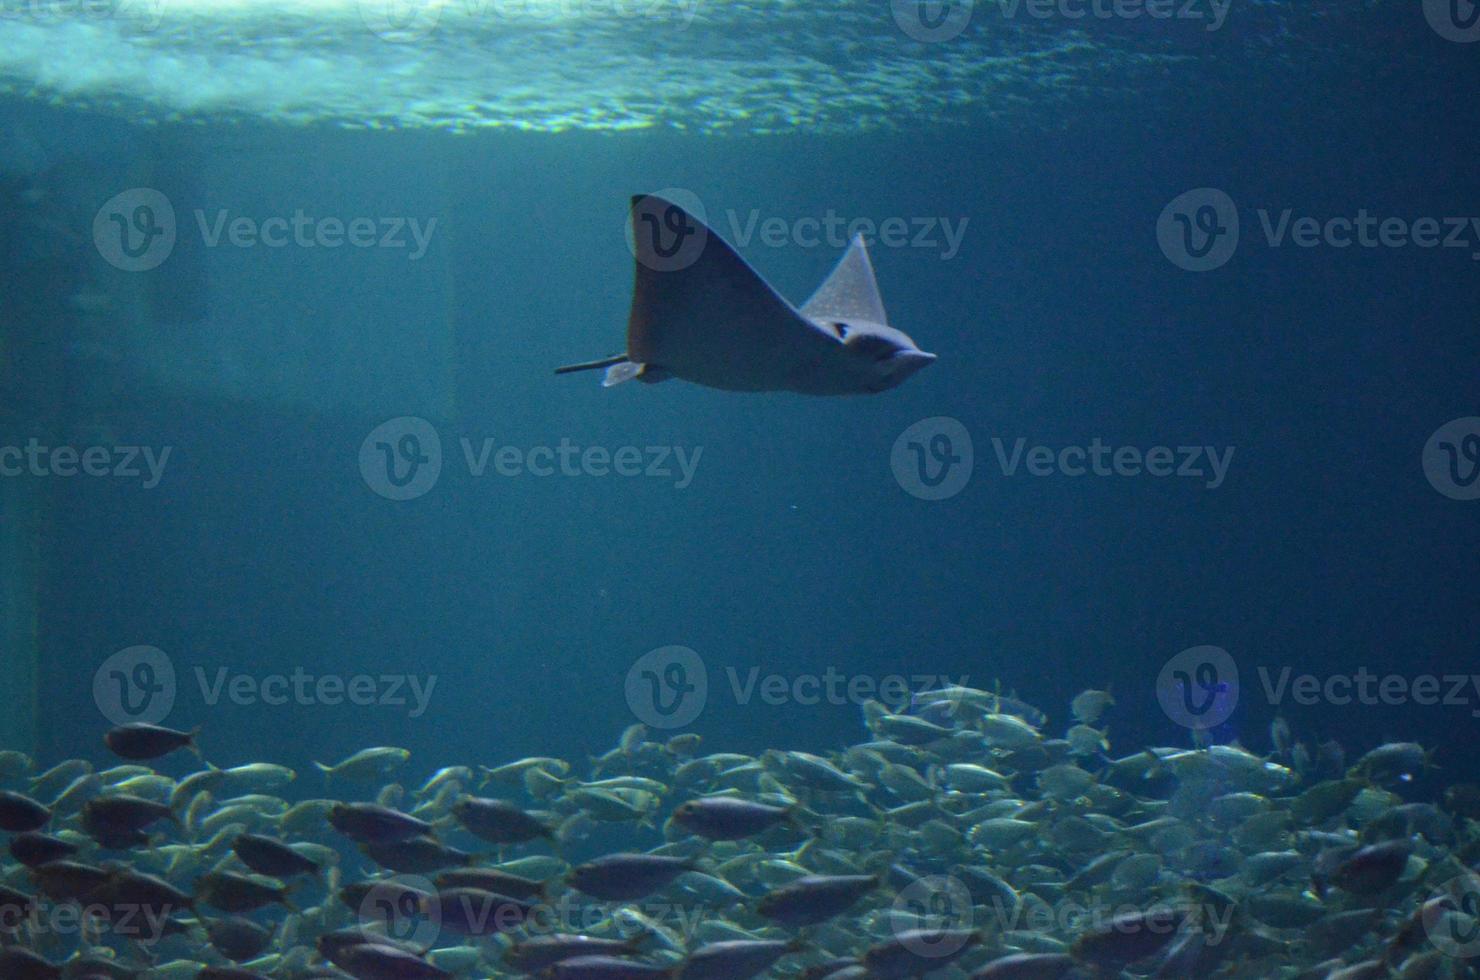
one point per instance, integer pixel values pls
(957, 839)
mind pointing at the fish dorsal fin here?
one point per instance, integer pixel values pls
(850, 292)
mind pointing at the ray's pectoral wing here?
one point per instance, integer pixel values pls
(710, 318)
(850, 292)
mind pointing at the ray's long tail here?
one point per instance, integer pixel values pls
(592, 365)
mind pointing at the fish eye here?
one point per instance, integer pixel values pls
(841, 329)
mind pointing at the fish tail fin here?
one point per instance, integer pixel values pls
(794, 816)
(637, 942)
(879, 865)
(194, 748)
(285, 897)
(565, 832)
(556, 839)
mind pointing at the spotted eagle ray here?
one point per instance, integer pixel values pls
(701, 313)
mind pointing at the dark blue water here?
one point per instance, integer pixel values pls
(794, 550)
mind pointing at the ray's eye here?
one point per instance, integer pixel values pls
(841, 329)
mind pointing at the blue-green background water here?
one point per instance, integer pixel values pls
(794, 549)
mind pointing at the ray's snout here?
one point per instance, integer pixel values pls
(906, 362)
(897, 367)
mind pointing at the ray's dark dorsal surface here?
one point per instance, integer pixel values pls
(701, 313)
